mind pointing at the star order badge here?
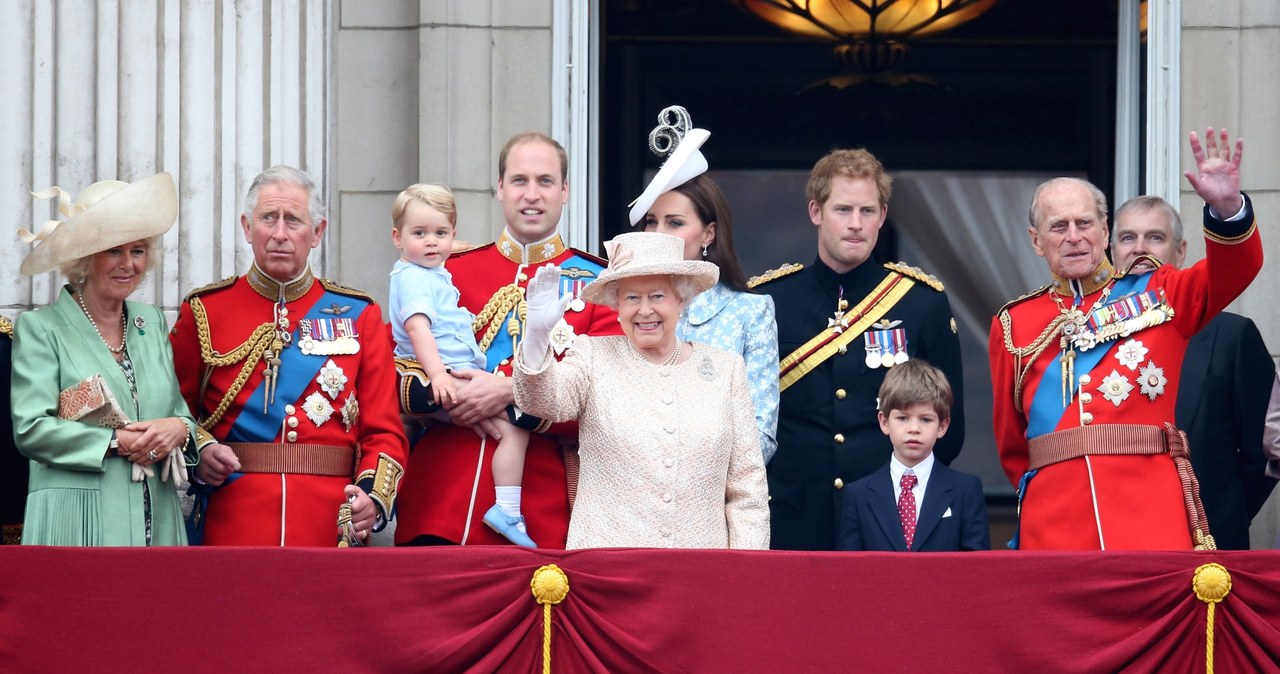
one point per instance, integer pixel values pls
(331, 379)
(350, 412)
(1131, 354)
(317, 408)
(1151, 380)
(562, 337)
(1115, 388)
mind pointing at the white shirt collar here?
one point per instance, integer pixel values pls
(922, 471)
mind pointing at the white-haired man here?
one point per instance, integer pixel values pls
(292, 381)
(1085, 371)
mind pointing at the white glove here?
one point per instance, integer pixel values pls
(175, 466)
(544, 309)
(141, 472)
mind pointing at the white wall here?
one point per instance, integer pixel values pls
(210, 92)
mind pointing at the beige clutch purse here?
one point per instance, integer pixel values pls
(91, 402)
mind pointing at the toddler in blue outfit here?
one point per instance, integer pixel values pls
(429, 326)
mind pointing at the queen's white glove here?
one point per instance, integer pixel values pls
(544, 309)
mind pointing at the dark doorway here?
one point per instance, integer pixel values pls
(1026, 89)
(1028, 86)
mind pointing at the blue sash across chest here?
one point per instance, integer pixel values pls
(297, 371)
(1047, 408)
(577, 271)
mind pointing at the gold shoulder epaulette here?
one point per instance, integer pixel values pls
(1034, 293)
(594, 258)
(6, 326)
(915, 273)
(471, 248)
(216, 285)
(333, 286)
(774, 274)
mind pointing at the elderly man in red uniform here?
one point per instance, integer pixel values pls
(1085, 371)
(449, 475)
(293, 383)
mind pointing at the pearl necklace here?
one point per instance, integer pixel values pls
(124, 327)
(671, 360)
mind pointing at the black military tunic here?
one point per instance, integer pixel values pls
(828, 434)
(13, 466)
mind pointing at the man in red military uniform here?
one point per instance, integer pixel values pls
(293, 383)
(449, 482)
(1085, 371)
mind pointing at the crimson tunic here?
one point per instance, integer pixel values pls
(1139, 498)
(251, 508)
(449, 473)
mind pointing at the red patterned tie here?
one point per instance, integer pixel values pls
(907, 507)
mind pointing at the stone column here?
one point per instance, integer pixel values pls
(1229, 52)
(429, 92)
(211, 92)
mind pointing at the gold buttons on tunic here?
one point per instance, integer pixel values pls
(1084, 380)
(290, 409)
(839, 438)
(838, 484)
(505, 361)
(1086, 398)
(292, 436)
(523, 277)
(842, 350)
(1086, 418)
(841, 394)
(844, 305)
(293, 422)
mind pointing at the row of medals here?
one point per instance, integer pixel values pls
(877, 357)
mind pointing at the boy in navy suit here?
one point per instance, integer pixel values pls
(915, 503)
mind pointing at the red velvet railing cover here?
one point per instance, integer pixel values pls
(456, 609)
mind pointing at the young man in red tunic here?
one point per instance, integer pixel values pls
(449, 478)
(292, 380)
(1085, 371)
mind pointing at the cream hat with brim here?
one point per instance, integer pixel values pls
(685, 163)
(105, 214)
(648, 254)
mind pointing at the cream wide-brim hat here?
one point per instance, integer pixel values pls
(105, 214)
(648, 254)
(685, 163)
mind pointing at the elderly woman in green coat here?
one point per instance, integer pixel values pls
(96, 406)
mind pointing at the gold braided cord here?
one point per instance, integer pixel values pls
(1212, 584)
(250, 352)
(550, 585)
(1022, 364)
(507, 299)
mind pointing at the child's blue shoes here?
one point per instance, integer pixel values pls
(510, 527)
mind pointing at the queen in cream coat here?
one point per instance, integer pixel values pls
(669, 452)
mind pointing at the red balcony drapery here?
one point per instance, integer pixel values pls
(471, 609)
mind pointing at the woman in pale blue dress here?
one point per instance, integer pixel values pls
(728, 316)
